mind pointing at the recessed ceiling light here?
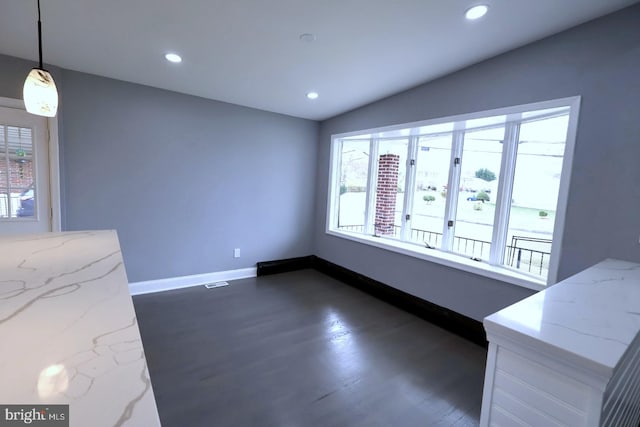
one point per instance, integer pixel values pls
(173, 57)
(476, 12)
(312, 95)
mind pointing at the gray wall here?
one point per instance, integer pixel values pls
(186, 180)
(600, 61)
(182, 179)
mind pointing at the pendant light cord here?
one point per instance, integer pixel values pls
(39, 36)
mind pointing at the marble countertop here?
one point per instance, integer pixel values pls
(69, 332)
(589, 319)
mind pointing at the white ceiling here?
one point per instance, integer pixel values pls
(248, 52)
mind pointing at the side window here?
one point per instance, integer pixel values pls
(478, 191)
(536, 184)
(353, 181)
(433, 158)
(17, 173)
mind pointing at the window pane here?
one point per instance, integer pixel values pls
(354, 170)
(484, 122)
(481, 158)
(391, 176)
(439, 128)
(535, 194)
(4, 175)
(429, 201)
(16, 172)
(397, 133)
(361, 137)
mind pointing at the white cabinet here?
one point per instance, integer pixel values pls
(569, 355)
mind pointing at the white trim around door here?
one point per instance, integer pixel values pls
(54, 162)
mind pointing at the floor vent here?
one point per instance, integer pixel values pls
(215, 285)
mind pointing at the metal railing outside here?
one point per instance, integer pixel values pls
(356, 228)
(534, 261)
(529, 256)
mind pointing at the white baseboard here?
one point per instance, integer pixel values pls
(160, 285)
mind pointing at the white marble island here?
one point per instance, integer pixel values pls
(69, 332)
(568, 355)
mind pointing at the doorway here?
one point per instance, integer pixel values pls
(26, 190)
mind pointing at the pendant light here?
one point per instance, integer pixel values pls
(40, 93)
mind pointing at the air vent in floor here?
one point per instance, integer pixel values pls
(215, 285)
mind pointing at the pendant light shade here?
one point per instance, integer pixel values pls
(40, 93)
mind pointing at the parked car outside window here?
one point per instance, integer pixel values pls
(27, 203)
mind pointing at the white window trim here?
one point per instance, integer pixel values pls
(457, 261)
(54, 162)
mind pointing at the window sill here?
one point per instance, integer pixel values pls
(450, 260)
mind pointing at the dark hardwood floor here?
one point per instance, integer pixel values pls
(303, 349)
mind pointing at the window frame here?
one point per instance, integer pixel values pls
(490, 268)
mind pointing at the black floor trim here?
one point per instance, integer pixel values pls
(285, 265)
(456, 323)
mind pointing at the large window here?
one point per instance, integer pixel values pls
(484, 187)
